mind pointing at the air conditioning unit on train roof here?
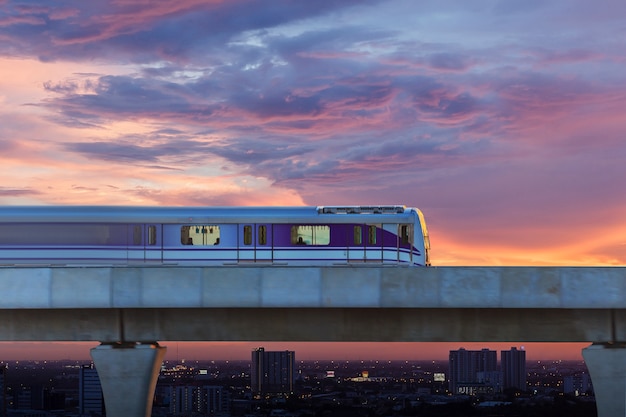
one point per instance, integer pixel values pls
(360, 209)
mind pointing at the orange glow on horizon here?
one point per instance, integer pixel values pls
(338, 351)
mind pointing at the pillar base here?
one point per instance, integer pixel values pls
(606, 363)
(128, 375)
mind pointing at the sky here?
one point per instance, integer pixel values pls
(503, 121)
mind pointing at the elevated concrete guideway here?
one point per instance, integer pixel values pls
(120, 306)
(110, 304)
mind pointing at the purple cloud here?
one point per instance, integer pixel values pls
(144, 32)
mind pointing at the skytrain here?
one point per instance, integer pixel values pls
(213, 236)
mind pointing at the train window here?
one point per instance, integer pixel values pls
(371, 235)
(310, 235)
(262, 235)
(404, 234)
(247, 235)
(152, 235)
(136, 235)
(200, 235)
(357, 235)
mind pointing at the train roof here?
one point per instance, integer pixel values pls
(198, 214)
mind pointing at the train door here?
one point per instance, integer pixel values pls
(153, 243)
(373, 240)
(356, 243)
(405, 243)
(135, 248)
(390, 243)
(264, 251)
(255, 243)
(143, 243)
(365, 243)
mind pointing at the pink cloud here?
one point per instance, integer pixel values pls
(16, 20)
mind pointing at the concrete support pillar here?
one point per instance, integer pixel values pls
(606, 363)
(128, 374)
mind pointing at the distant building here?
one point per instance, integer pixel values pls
(24, 398)
(181, 399)
(576, 384)
(272, 372)
(52, 400)
(90, 398)
(206, 400)
(464, 366)
(513, 364)
(213, 400)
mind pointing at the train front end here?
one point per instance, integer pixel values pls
(421, 239)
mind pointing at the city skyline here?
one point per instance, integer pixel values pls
(51, 387)
(503, 121)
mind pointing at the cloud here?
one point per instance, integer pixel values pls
(144, 32)
(17, 192)
(21, 20)
(125, 95)
(113, 151)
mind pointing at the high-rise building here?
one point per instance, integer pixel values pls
(206, 400)
(273, 372)
(212, 400)
(181, 399)
(90, 399)
(513, 364)
(464, 366)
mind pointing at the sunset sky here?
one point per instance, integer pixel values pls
(502, 120)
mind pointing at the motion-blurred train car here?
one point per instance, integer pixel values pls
(114, 235)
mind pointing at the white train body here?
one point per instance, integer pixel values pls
(114, 235)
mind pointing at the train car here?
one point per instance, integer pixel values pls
(116, 235)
